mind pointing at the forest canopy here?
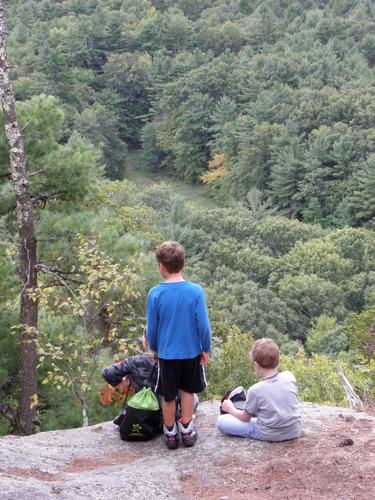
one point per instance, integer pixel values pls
(282, 92)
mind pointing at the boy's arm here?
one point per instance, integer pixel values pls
(204, 358)
(152, 323)
(203, 323)
(240, 414)
(252, 401)
(117, 371)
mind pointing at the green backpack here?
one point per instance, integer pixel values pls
(142, 417)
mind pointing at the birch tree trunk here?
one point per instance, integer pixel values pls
(85, 410)
(27, 242)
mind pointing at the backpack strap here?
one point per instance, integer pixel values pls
(127, 390)
(154, 368)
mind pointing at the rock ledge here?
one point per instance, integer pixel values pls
(93, 463)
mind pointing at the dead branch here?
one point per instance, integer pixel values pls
(354, 400)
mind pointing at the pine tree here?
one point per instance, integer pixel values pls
(286, 174)
(150, 152)
(28, 324)
(362, 201)
(225, 139)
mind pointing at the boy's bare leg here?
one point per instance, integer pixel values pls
(169, 412)
(187, 406)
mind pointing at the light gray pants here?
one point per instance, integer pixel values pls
(228, 424)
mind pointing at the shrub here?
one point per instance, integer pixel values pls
(318, 381)
(229, 364)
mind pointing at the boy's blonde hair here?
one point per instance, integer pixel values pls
(266, 353)
(172, 255)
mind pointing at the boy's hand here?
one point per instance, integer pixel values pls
(204, 358)
(227, 405)
(124, 384)
(154, 355)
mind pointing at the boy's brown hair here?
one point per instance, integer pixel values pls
(172, 255)
(266, 353)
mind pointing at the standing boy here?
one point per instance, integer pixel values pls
(178, 331)
(273, 401)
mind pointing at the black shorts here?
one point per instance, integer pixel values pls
(174, 374)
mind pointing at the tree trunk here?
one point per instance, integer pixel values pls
(27, 241)
(85, 410)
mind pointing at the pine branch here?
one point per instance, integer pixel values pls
(7, 412)
(60, 276)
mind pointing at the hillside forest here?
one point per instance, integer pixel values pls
(245, 129)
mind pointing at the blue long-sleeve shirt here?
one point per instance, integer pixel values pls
(177, 321)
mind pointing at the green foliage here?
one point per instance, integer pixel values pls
(270, 276)
(157, 196)
(360, 329)
(361, 202)
(280, 235)
(151, 154)
(99, 125)
(318, 381)
(251, 307)
(356, 245)
(229, 364)
(216, 78)
(190, 151)
(64, 172)
(310, 296)
(55, 75)
(368, 49)
(326, 337)
(318, 257)
(80, 322)
(8, 318)
(254, 158)
(71, 172)
(127, 76)
(41, 119)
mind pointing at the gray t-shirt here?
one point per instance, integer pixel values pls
(274, 401)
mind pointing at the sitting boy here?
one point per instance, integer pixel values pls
(142, 369)
(273, 401)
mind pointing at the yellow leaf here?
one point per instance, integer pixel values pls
(216, 170)
(34, 401)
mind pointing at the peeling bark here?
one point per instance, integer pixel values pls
(27, 253)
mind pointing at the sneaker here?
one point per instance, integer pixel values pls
(171, 437)
(188, 434)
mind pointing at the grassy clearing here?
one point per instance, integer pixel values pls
(196, 195)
